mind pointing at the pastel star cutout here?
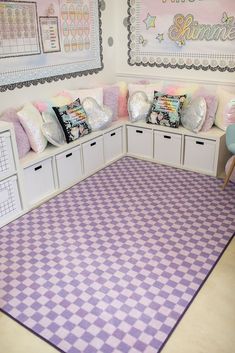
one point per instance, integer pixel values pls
(160, 37)
(150, 21)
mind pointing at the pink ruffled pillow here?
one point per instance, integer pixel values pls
(123, 98)
(22, 140)
(212, 104)
(111, 99)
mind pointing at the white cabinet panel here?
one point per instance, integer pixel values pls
(113, 144)
(69, 167)
(140, 141)
(93, 156)
(39, 180)
(167, 147)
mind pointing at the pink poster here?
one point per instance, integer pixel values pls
(198, 34)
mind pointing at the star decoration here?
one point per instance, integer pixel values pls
(150, 21)
(160, 37)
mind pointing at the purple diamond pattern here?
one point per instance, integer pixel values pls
(111, 264)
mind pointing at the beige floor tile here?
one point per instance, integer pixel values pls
(207, 327)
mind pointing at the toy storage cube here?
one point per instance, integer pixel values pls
(10, 204)
(113, 144)
(39, 181)
(140, 141)
(7, 164)
(167, 147)
(93, 156)
(199, 154)
(69, 167)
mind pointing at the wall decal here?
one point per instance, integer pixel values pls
(182, 34)
(42, 41)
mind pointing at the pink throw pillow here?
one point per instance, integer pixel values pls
(212, 104)
(111, 99)
(22, 140)
(123, 98)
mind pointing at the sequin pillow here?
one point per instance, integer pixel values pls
(194, 115)
(166, 110)
(73, 120)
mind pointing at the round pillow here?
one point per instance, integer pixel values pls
(228, 164)
(194, 115)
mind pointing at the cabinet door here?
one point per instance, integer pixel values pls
(7, 164)
(93, 156)
(69, 167)
(113, 144)
(10, 205)
(39, 181)
(199, 154)
(140, 141)
(167, 147)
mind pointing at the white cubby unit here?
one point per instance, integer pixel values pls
(27, 183)
(204, 152)
(11, 188)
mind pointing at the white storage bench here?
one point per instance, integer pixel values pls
(40, 176)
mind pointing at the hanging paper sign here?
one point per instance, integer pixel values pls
(182, 33)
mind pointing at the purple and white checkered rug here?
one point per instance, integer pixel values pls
(112, 264)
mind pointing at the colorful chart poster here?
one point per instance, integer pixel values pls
(18, 29)
(45, 40)
(49, 34)
(182, 33)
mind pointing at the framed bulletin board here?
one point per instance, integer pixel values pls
(44, 40)
(191, 34)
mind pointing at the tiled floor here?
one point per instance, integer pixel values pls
(207, 327)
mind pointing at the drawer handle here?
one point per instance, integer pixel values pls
(113, 134)
(199, 143)
(167, 137)
(93, 144)
(139, 131)
(69, 155)
(37, 168)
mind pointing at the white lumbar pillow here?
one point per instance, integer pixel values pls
(31, 120)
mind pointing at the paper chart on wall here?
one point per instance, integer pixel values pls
(45, 40)
(182, 33)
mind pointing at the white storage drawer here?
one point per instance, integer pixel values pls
(69, 167)
(39, 180)
(140, 141)
(7, 164)
(167, 147)
(113, 144)
(93, 156)
(10, 204)
(199, 154)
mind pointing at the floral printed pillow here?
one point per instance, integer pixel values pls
(166, 109)
(73, 120)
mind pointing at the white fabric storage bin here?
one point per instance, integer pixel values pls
(199, 154)
(39, 181)
(93, 156)
(69, 167)
(10, 204)
(140, 141)
(7, 164)
(167, 147)
(113, 144)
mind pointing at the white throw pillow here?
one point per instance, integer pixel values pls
(31, 120)
(95, 93)
(147, 88)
